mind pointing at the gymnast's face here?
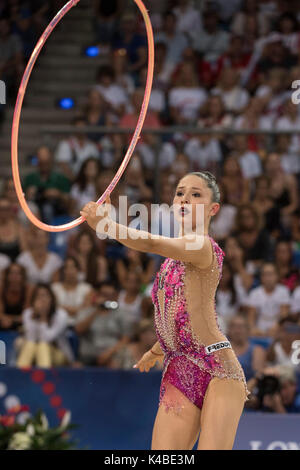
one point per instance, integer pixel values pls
(191, 192)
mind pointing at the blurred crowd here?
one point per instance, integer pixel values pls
(79, 300)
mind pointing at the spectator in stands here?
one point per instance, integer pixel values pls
(188, 18)
(281, 351)
(84, 187)
(135, 184)
(211, 42)
(142, 340)
(41, 265)
(235, 98)
(243, 276)
(226, 299)
(252, 236)
(130, 299)
(102, 330)
(223, 222)
(290, 120)
(45, 343)
(186, 96)
(133, 43)
(140, 263)
(47, 188)
(12, 234)
(93, 266)
(175, 42)
(288, 274)
(119, 61)
(295, 303)
(129, 120)
(288, 152)
(249, 8)
(11, 58)
(273, 92)
(275, 390)
(275, 55)
(15, 294)
(95, 113)
(288, 27)
(204, 152)
(213, 114)
(251, 356)
(114, 96)
(267, 303)
(265, 206)
(71, 294)
(157, 102)
(249, 161)
(283, 188)
(106, 20)
(72, 152)
(236, 187)
(24, 27)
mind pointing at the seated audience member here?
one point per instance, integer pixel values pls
(105, 20)
(283, 187)
(265, 206)
(133, 43)
(15, 294)
(223, 222)
(251, 356)
(235, 97)
(268, 303)
(243, 271)
(130, 299)
(226, 299)
(71, 294)
(143, 338)
(248, 160)
(12, 233)
(41, 265)
(251, 235)
(281, 352)
(204, 152)
(140, 263)
(47, 188)
(93, 267)
(113, 95)
(45, 343)
(275, 390)
(236, 187)
(84, 187)
(186, 97)
(71, 153)
(130, 118)
(295, 302)
(95, 113)
(135, 186)
(101, 328)
(288, 274)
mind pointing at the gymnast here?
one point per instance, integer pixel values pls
(203, 387)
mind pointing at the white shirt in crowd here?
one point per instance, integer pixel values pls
(235, 99)
(131, 312)
(268, 305)
(201, 155)
(166, 157)
(225, 309)
(250, 165)
(84, 196)
(188, 21)
(36, 274)
(188, 101)
(69, 151)
(113, 94)
(37, 331)
(222, 224)
(71, 298)
(4, 261)
(295, 301)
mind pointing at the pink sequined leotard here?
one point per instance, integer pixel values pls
(186, 322)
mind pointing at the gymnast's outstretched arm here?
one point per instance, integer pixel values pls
(193, 248)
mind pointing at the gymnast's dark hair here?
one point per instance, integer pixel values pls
(211, 183)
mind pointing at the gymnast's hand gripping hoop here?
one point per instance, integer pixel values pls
(18, 108)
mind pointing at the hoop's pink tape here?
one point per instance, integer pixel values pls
(18, 108)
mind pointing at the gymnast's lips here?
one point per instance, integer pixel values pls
(183, 211)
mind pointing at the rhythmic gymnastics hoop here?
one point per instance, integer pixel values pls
(18, 109)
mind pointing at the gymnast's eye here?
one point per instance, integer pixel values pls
(179, 193)
(197, 194)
